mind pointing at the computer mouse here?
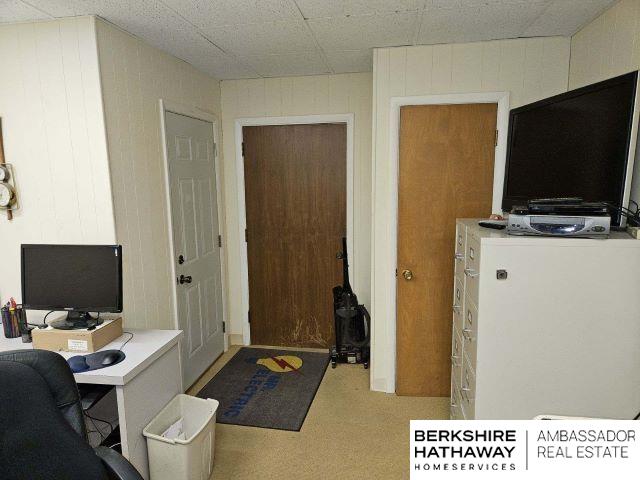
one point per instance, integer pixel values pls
(111, 358)
(78, 364)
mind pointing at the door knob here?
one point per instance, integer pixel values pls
(184, 279)
(407, 274)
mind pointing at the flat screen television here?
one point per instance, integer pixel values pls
(77, 279)
(576, 144)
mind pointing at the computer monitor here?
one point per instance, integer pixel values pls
(77, 279)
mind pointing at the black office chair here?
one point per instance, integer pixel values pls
(42, 431)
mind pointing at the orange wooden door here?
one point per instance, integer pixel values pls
(295, 187)
(445, 172)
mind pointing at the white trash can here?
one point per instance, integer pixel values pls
(181, 439)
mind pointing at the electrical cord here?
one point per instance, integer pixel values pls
(44, 321)
(633, 217)
(93, 421)
(126, 341)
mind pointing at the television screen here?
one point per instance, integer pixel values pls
(72, 277)
(572, 145)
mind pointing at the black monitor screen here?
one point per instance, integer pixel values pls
(72, 277)
(572, 145)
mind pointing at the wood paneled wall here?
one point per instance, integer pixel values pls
(530, 69)
(287, 96)
(134, 77)
(52, 118)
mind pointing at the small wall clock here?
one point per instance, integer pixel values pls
(7, 195)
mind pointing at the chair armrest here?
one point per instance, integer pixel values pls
(117, 466)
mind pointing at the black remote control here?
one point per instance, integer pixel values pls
(494, 224)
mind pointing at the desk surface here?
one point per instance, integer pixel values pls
(145, 347)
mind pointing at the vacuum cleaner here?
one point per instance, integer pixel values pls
(352, 321)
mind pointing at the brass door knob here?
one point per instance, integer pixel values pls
(407, 274)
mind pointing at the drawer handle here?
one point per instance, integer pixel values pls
(467, 330)
(469, 272)
(454, 405)
(453, 360)
(456, 308)
(464, 392)
(459, 256)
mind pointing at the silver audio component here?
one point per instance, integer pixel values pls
(559, 225)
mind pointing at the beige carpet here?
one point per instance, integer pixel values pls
(350, 432)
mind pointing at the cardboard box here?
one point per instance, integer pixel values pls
(80, 341)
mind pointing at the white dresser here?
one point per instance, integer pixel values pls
(544, 325)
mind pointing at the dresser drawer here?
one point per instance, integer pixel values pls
(461, 239)
(455, 408)
(472, 269)
(456, 355)
(458, 304)
(460, 251)
(469, 347)
(468, 390)
(469, 319)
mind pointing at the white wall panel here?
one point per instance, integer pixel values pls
(608, 46)
(53, 123)
(530, 69)
(134, 77)
(287, 96)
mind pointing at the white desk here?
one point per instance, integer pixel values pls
(145, 381)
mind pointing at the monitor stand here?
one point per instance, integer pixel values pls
(76, 321)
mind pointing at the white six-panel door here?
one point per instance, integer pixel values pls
(194, 211)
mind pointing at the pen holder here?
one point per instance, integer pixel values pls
(11, 323)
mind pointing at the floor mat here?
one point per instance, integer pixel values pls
(267, 388)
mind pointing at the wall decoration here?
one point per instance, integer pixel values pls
(8, 196)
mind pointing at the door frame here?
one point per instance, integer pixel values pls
(343, 118)
(193, 112)
(388, 344)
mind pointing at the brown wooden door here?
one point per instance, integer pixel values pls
(445, 172)
(295, 187)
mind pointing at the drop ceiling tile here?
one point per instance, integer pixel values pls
(479, 3)
(221, 66)
(362, 32)
(213, 13)
(492, 21)
(67, 8)
(350, 61)
(565, 17)
(17, 11)
(344, 39)
(341, 8)
(263, 38)
(159, 26)
(206, 57)
(309, 63)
